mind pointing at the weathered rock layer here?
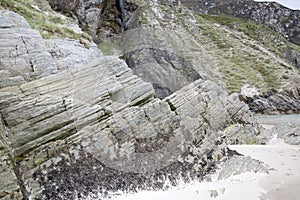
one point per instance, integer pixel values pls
(67, 134)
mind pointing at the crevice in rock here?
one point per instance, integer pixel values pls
(172, 107)
(18, 172)
(27, 51)
(101, 19)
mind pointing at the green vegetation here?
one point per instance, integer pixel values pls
(259, 32)
(245, 52)
(41, 17)
(106, 47)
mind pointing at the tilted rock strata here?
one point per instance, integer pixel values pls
(94, 126)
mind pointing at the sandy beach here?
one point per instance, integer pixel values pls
(283, 162)
(281, 183)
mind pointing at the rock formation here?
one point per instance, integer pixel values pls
(76, 123)
(286, 127)
(281, 102)
(79, 118)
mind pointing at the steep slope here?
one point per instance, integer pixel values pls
(94, 127)
(283, 20)
(179, 46)
(229, 51)
(75, 122)
(279, 18)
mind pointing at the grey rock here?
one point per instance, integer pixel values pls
(69, 54)
(23, 56)
(116, 121)
(286, 127)
(95, 126)
(157, 56)
(289, 132)
(294, 57)
(286, 101)
(214, 193)
(240, 164)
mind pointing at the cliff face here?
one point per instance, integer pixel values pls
(75, 122)
(89, 125)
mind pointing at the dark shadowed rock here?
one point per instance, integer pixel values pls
(285, 101)
(97, 17)
(165, 70)
(159, 57)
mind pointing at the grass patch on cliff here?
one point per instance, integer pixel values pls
(244, 52)
(259, 32)
(41, 17)
(240, 55)
(106, 47)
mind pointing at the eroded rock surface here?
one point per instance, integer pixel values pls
(282, 102)
(22, 57)
(240, 164)
(95, 127)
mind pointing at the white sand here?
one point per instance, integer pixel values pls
(283, 160)
(283, 181)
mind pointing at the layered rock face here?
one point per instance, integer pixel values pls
(94, 126)
(166, 46)
(284, 20)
